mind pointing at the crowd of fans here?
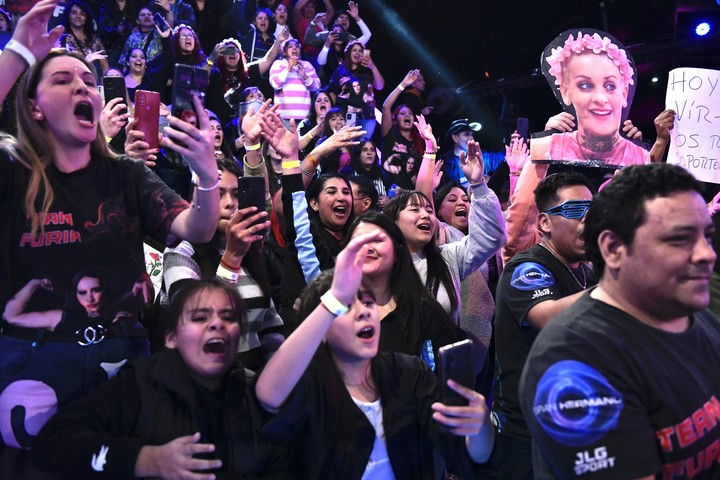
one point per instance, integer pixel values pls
(370, 250)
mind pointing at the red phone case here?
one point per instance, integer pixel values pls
(147, 111)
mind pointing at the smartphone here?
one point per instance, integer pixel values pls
(159, 21)
(228, 50)
(455, 362)
(350, 119)
(251, 193)
(114, 87)
(147, 111)
(187, 81)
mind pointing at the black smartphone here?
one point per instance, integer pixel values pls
(251, 193)
(455, 362)
(228, 50)
(187, 81)
(159, 21)
(114, 87)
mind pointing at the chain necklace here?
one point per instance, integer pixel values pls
(582, 284)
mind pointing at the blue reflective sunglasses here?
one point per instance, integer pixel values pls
(572, 209)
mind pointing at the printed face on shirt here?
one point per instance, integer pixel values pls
(380, 258)
(417, 222)
(565, 234)
(89, 294)
(455, 209)
(69, 100)
(594, 86)
(356, 335)
(228, 199)
(334, 204)
(666, 270)
(207, 336)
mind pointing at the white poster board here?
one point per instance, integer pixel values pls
(694, 94)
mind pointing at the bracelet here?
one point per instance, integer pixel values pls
(210, 62)
(226, 274)
(250, 167)
(196, 182)
(310, 135)
(310, 159)
(306, 173)
(515, 174)
(429, 152)
(250, 148)
(333, 305)
(286, 165)
(20, 49)
(430, 156)
(400, 87)
(229, 267)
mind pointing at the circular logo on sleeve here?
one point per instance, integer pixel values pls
(531, 276)
(575, 404)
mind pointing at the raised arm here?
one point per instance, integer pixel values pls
(355, 13)
(30, 43)
(428, 176)
(386, 123)
(267, 60)
(284, 369)
(195, 144)
(378, 80)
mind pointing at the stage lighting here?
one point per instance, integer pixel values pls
(702, 29)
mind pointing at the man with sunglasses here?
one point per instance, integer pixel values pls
(624, 383)
(535, 286)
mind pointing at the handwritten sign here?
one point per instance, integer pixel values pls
(694, 94)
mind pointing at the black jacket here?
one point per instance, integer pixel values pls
(151, 402)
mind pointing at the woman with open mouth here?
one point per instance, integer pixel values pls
(352, 412)
(187, 410)
(68, 203)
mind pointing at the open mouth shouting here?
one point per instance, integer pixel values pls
(216, 346)
(85, 114)
(366, 333)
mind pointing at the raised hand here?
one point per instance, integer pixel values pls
(631, 131)
(137, 147)
(425, 130)
(563, 122)
(472, 164)
(349, 266)
(112, 117)
(410, 78)
(284, 141)
(664, 123)
(250, 122)
(31, 29)
(516, 154)
(241, 232)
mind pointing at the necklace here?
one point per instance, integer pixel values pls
(582, 284)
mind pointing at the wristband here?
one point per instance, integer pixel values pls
(310, 159)
(400, 87)
(196, 182)
(209, 62)
(250, 148)
(430, 156)
(227, 275)
(310, 135)
(250, 167)
(333, 305)
(20, 49)
(290, 164)
(228, 266)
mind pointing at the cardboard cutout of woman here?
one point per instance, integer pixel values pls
(593, 78)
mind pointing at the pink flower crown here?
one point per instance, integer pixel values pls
(597, 44)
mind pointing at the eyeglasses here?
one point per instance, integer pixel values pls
(572, 209)
(186, 35)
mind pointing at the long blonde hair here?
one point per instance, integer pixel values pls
(33, 147)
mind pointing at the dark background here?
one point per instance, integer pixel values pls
(489, 50)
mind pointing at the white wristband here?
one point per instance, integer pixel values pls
(333, 304)
(400, 87)
(17, 47)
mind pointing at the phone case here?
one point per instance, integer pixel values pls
(455, 362)
(114, 87)
(251, 193)
(187, 81)
(147, 111)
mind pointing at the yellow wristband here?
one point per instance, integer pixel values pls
(290, 164)
(249, 148)
(429, 156)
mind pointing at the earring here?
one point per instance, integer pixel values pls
(38, 116)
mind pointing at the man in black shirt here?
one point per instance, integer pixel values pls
(535, 286)
(624, 383)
